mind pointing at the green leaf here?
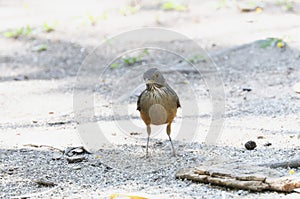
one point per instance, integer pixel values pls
(9, 34)
(18, 32)
(40, 48)
(47, 28)
(93, 20)
(272, 42)
(114, 65)
(146, 52)
(169, 5)
(26, 31)
(221, 4)
(127, 10)
(197, 58)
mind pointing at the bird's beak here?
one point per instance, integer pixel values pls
(149, 81)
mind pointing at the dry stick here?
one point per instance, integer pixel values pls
(45, 183)
(295, 163)
(46, 146)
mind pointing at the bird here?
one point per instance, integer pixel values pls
(158, 103)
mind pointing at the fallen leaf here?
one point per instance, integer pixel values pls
(271, 42)
(124, 196)
(260, 137)
(258, 10)
(296, 88)
(280, 44)
(291, 171)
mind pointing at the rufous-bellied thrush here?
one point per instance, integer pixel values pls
(158, 103)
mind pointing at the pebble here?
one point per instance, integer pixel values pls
(75, 159)
(57, 156)
(250, 145)
(129, 172)
(268, 144)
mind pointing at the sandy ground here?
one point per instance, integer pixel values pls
(36, 88)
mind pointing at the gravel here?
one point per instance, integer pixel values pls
(259, 99)
(125, 169)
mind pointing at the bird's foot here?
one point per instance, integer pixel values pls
(174, 154)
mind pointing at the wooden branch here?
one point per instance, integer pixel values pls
(240, 176)
(295, 163)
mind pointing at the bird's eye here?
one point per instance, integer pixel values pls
(156, 75)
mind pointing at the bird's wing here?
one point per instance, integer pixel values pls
(139, 101)
(175, 95)
(178, 102)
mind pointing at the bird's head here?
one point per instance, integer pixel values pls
(154, 78)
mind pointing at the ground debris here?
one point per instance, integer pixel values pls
(75, 159)
(72, 151)
(293, 163)
(240, 176)
(296, 88)
(43, 146)
(45, 183)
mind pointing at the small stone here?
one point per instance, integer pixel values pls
(158, 143)
(77, 167)
(45, 183)
(78, 150)
(268, 144)
(21, 77)
(250, 145)
(247, 89)
(10, 171)
(71, 151)
(56, 156)
(75, 159)
(296, 88)
(134, 133)
(260, 137)
(240, 192)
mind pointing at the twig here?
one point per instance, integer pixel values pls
(295, 163)
(46, 146)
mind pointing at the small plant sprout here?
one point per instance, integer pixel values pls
(24, 31)
(170, 5)
(287, 5)
(39, 48)
(129, 10)
(270, 42)
(196, 58)
(47, 28)
(131, 60)
(93, 20)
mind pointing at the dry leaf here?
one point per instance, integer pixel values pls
(296, 88)
(124, 196)
(291, 171)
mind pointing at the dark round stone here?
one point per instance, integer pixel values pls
(250, 145)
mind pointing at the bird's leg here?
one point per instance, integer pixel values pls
(169, 132)
(149, 132)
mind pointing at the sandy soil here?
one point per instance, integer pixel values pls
(36, 88)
